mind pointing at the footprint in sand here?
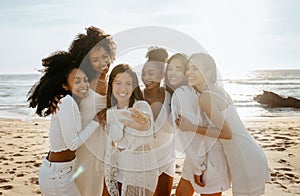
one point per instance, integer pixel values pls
(17, 155)
(291, 155)
(2, 180)
(6, 187)
(279, 149)
(282, 161)
(20, 175)
(3, 158)
(281, 137)
(283, 169)
(32, 161)
(34, 180)
(37, 164)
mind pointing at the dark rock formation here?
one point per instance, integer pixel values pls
(274, 100)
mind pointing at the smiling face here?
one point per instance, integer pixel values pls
(100, 59)
(176, 72)
(195, 75)
(77, 83)
(152, 75)
(122, 88)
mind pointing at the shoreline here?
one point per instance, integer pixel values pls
(24, 144)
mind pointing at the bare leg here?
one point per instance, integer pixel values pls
(164, 186)
(184, 188)
(105, 191)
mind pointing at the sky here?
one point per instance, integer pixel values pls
(241, 35)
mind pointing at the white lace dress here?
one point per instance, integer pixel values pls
(130, 160)
(90, 174)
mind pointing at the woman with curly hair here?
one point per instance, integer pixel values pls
(62, 76)
(160, 99)
(95, 51)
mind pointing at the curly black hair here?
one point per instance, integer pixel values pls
(83, 43)
(157, 56)
(57, 68)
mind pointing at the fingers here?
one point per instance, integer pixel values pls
(138, 115)
(128, 123)
(198, 180)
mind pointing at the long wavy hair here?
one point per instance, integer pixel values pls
(57, 69)
(84, 43)
(136, 94)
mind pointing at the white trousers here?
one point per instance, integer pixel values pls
(56, 178)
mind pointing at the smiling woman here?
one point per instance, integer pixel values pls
(61, 77)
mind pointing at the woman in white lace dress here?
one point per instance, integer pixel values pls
(248, 164)
(130, 165)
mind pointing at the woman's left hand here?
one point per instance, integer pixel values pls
(141, 121)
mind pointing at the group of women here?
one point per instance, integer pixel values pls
(110, 137)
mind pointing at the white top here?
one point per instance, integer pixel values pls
(90, 155)
(66, 129)
(185, 103)
(247, 161)
(203, 155)
(163, 138)
(136, 163)
(91, 105)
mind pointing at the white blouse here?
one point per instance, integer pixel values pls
(195, 147)
(91, 105)
(135, 162)
(66, 129)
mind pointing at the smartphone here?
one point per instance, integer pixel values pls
(114, 116)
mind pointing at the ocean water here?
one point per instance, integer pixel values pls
(241, 87)
(244, 87)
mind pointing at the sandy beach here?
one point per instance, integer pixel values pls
(24, 144)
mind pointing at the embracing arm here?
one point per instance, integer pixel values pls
(212, 105)
(210, 131)
(70, 124)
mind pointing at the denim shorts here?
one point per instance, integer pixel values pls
(57, 178)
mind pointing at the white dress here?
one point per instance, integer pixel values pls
(163, 139)
(247, 161)
(90, 155)
(202, 154)
(130, 160)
